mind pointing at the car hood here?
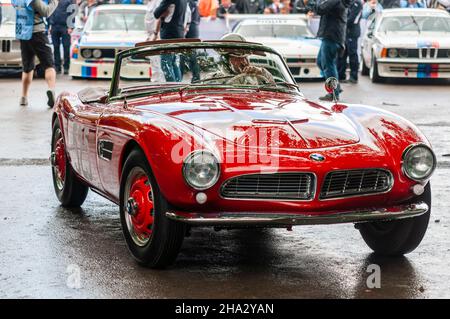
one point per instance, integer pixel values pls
(286, 46)
(288, 122)
(112, 39)
(415, 40)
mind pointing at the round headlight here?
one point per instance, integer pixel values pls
(392, 53)
(201, 170)
(419, 162)
(97, 53)
(86, 53)
(403, 53)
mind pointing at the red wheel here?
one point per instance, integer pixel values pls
(60, 160)
(152, 238)
(70, 191)
(139, 206)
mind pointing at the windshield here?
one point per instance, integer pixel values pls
(415, 24)
(288, 31)
(115, 20)
(208, 66)
(7, 14)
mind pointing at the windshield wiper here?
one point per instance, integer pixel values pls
(125, 21)
(415, 22)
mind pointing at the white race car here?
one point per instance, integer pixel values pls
(108, 30)
(10, 57)
(407, 43)
(291, 37)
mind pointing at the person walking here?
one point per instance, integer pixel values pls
(351, 44)
(60, 33)
(332, 29)
(30, 30)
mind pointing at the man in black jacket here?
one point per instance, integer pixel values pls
(60, 33)
(351, 43)
(332, 28)
(172, 27)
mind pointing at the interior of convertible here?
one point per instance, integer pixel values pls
(211, 66)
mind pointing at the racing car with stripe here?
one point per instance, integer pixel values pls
(407, 43)
(109, 30)
(290, 36)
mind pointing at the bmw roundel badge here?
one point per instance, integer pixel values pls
(317, 157)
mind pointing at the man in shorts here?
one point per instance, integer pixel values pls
(30, 30)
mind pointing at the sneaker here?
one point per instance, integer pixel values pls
(23, 101)
(328, 97)
(66, 71)
(51, 98)
(353, 81)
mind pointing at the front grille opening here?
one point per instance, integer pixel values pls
(287, 186)
(355, 182)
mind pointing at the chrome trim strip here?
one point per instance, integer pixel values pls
(391, 182)
(313, 193)
(285, 219)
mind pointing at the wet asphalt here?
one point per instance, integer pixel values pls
(43, 246)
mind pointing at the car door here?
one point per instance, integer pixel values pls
(111, 139)
(82, 140)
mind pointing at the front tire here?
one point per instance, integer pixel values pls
(364, 70)
(373, 72)
(71, 192)
(152, 238)
(398, 237)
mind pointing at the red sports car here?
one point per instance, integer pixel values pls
(220, 135)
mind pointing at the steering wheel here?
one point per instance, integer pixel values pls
(237, 78)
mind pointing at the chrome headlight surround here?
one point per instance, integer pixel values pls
(392, 53)
(86, 53)
(200, 163)
(97, 53)
(421, 154)
(403, 53)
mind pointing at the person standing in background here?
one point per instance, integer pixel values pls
(208, 8)
(274, 8)
(390, 4)
(30, 30)
(371, 7)
(193, 33)
(332, 29)
(60, 33)
(171, 28)
(412, 4)
(226, 7)
(152, 24)
(250, 6)
(86, 8)
(351, 44)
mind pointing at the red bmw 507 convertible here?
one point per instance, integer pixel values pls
(220, 135)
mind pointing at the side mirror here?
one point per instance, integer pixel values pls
(331, 85)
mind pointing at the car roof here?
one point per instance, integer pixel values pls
(120, 7)
(415, 12)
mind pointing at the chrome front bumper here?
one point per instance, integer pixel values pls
(281, 219)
